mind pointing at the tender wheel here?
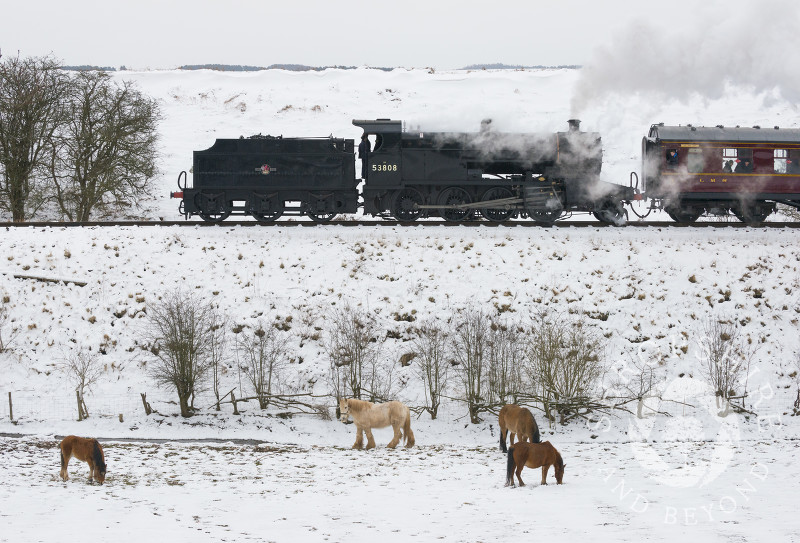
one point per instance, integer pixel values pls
(454, 196)
(267, 217)
(265, 207)
(215, 217)
(213, 207)
(753, 213)
(501, 212)
(404, 207)
(684, 213)
(321, 217)
(611, 212)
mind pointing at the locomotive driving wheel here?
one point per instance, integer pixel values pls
(405, 206)
(499, 213)
(454, 196)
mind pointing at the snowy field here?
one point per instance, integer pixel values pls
(268, 492)
(690, 474)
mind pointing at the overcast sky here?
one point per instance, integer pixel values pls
(444, 34)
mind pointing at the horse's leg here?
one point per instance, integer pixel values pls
(359, 444)
(544, 473)
(503, 432)
(64, 464)
(511, 439)
(370, 439)
(520, 465)
(398, 435)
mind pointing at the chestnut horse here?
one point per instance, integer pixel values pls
(88, 450)
(517, 420)
(368, 415)
(533, 455)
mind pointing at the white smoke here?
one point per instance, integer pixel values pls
(756, 49)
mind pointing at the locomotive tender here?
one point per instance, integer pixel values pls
(407, 176)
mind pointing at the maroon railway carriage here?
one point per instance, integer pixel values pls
(691, 170)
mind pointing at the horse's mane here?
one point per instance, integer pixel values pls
(358, 405)
(97, 456)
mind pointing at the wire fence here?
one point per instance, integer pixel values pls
(32, 406)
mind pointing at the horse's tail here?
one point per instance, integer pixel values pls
(510, 466)
(408, 435)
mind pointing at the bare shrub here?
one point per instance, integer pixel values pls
(7, 336)
(181, 336)
(353, 344)
(469, 347)
(566, 359)
(637, 381)
(725, 357)
(431, 365)
(263, 354)
(218, 350)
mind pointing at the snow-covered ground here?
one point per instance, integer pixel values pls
(691, 475)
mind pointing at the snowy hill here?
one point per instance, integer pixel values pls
(650, 291)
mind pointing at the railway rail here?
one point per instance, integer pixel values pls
(392, 223)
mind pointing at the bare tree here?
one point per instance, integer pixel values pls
(637, 382)
(505, 360)
(353, 343)
(103, 159)
(181, 337)
(84, 370)
(32, 94)
(218, 350)
(431, 346)
(263, 351)
(725, 359)
(469, 349)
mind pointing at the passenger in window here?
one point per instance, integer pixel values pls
(672, 158)
(728, 166)
(363, 154)
(744, 166)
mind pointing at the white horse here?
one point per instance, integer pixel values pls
(367, 415)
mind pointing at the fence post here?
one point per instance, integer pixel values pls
(10, 408)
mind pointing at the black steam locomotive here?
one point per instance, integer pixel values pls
(406, 176)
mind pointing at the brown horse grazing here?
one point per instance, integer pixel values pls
(533, 455)
(368, 415)
(88, 450)
(517, 420)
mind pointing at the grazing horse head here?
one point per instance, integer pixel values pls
(559, 469)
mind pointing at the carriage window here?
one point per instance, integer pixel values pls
(780, 156)
(672, 158)
(696, 161)
(729, 157)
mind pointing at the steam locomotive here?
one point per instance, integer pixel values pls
(686, 171)
(406, 176)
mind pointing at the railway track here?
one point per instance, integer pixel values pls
(392, 223)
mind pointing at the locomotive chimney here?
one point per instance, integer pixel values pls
(574, 125)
